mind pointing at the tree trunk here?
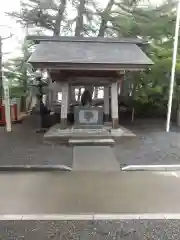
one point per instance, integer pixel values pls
(24, 73)
(104, 19)
(79, 19)
(29, 102)
(59, 18)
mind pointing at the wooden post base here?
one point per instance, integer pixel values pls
(63, 123)
(115, 123)
(106, 117)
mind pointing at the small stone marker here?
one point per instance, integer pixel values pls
(88, 117)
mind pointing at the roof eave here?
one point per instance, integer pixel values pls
(38, 39)
(93, 67)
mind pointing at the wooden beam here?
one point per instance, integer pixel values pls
(90, 80)
(85, 73)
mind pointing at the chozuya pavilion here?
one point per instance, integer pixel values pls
(87, 62)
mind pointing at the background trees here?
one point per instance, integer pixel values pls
(118, 18)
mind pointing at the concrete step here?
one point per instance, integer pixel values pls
(91, 141)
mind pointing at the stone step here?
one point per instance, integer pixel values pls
(91, 141)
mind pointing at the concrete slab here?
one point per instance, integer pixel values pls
(94, 158)
(91, 142)
(55, 131)
(55, 135)
(89, 192)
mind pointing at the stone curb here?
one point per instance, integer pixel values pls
(89, 217)
(173, 167)
(35, 168)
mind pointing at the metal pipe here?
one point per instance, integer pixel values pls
(173, 70)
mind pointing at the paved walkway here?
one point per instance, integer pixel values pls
(94, 158)
(124, 193)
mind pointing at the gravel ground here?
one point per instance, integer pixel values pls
(152, 145)
(82, 230)
(25, 146)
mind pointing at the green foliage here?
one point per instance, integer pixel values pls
(151, 88)
(17, 92)
(123, 18)
(17, 71)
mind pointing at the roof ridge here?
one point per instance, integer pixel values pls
(84, 39)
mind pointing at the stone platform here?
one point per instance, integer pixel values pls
(56, 135)
(92, 147)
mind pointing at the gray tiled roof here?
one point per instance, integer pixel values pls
(89, 52)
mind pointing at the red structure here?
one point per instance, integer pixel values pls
(14, 114)
(2, 115)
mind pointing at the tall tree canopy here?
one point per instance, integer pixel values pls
(56, 16)
(119, 18)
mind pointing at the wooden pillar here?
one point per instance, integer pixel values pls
(69, 97)
(73, 94)
(54, 96)
(106, 103)
(56, 87)
(49, 99)
(114, 105)
(64, 105)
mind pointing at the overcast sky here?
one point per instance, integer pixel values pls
(12, 44)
